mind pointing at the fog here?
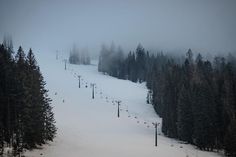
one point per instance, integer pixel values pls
(169, 25)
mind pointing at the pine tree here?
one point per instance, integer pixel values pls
(230, 139)
(171, 89)
(141, 63)
(230, 110)
(204, 107)
(185, 115)
(8, 44)
(221, 122)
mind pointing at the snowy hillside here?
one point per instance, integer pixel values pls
(90, 127)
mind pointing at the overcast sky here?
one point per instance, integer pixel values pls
(203, 25)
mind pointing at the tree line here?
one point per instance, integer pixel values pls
(111, 60)
(79, 57)
(196, 98)
(26, 117)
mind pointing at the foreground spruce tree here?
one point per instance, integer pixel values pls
(26, 117)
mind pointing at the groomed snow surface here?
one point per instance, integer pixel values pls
(90, 127)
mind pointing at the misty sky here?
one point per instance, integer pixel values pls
(203, 25)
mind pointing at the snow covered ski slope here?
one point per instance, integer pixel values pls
(90, 127)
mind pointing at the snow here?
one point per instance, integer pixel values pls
(90, 127)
